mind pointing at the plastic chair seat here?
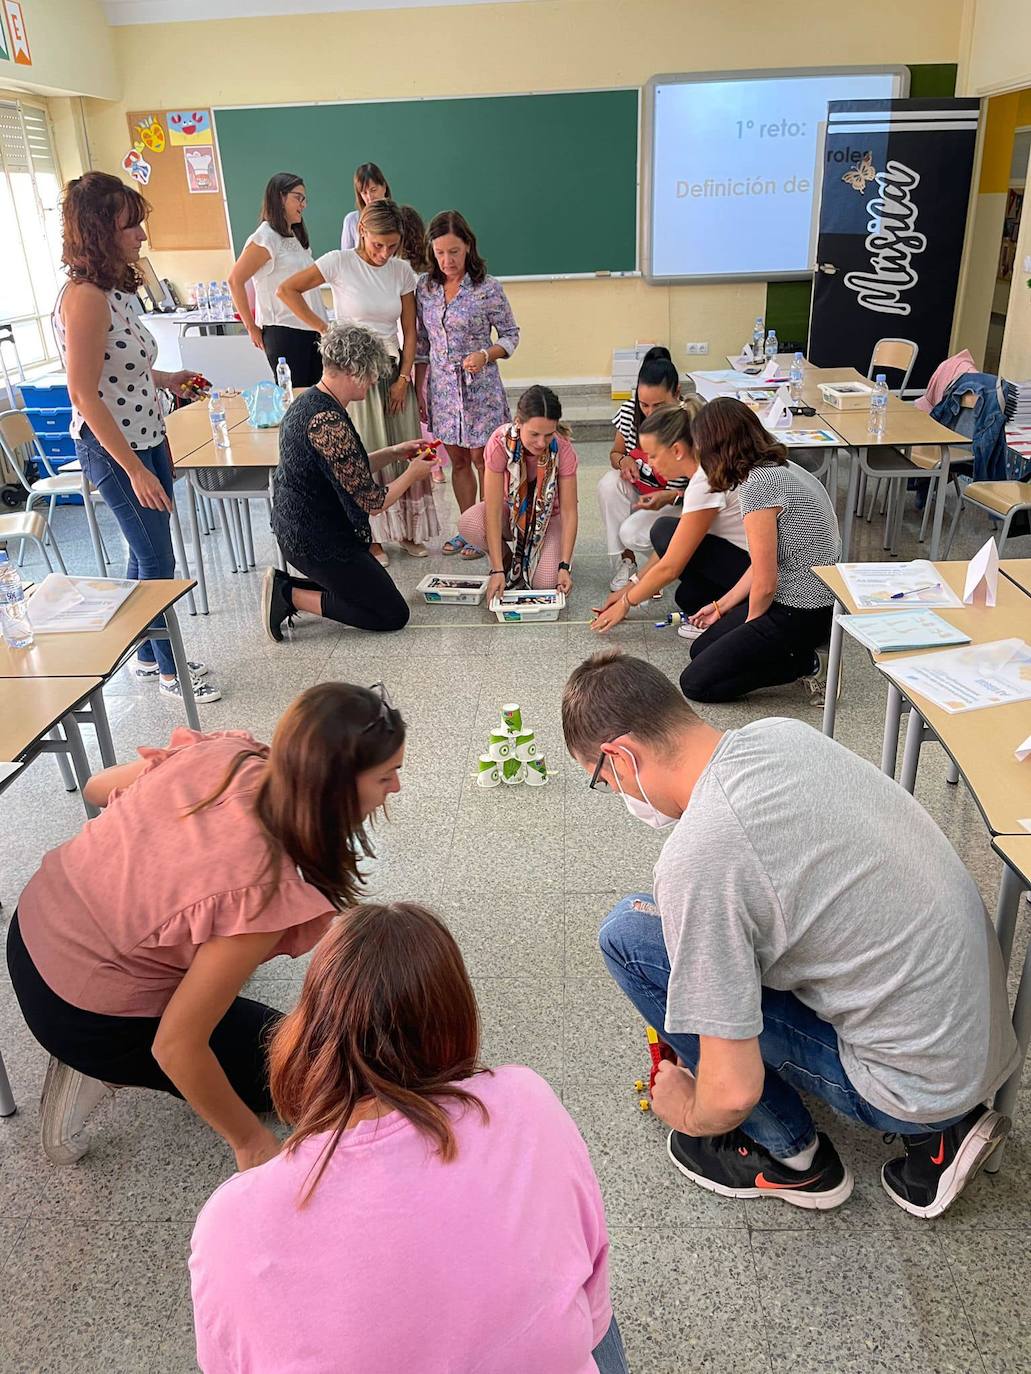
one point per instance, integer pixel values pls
(58, 486)
(999, 497)
(22, 525)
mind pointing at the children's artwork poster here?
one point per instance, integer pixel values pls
(5, 55)
(137, 166)
(16, 29)
(186, 127)
(148, 135)
(201, 174)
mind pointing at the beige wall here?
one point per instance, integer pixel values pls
(996, 47)
(569, 328)
(71, 49)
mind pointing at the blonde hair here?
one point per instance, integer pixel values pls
(671, 424)
(382, 217)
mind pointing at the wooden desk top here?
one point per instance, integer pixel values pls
(93, 653)
(1018, 570)
(1016, 850)
(905, 426)
(189, 428)
(249, 448)
(981, 743)
(31, 707)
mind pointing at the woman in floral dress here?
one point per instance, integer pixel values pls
(465, 327)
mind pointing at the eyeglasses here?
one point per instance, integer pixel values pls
(386, 708)
(597, 782)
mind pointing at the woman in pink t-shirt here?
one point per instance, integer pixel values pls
(426, 1213)
(131, 944)
(529, 489)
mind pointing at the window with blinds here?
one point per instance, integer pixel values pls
(30, 231)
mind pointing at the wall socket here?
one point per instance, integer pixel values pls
(695, 348)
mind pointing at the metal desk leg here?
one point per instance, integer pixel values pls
(180, 552)
(98, 713)
(833, 672)
(202, 586)
(939, 503)
(8, 1106)
(1006, 911)
(94, 528)
(67, 776)
(248, 532)
(952, 776)
(892, 717)
(1006, 1097)
(227, 530)
(182, 668)
(911, 753)
(237, 524)
(850, 504)
(79, 760)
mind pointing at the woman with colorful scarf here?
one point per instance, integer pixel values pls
(529, 487)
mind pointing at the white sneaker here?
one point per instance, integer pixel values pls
(686, 631)
(626, 570)
(203, 692)
(69, 1098)
(151, 669)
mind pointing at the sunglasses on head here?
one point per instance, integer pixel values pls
(386, 708)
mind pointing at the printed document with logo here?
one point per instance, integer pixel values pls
(896, 586)
(69, 605)
(808, 438)
(889, 632)
(967, 679)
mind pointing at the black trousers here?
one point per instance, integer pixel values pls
(355, 589)
(119, 1049)
(715, 566)
(737, 655)
(300, 348)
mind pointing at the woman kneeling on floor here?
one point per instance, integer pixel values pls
(131, 944)
(324, 492)
(426, 1213)
(529, 486)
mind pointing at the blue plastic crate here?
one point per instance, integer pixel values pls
(57, 445)
(46, 420)
(47, 394)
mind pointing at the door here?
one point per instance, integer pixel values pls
(893, 213)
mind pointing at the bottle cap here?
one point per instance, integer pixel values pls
(281, 360)
(881, 377)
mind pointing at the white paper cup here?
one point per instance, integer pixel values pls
(513, 772)
(488, 774)
(536, 773)
(501, 750)
(512, 715)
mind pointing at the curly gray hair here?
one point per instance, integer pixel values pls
(357, 351)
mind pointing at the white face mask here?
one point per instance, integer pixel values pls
(642, 810)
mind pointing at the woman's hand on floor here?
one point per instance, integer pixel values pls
(264, 1145)
(707, 616)
(611, 614)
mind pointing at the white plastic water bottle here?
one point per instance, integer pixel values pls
(200, 299)
(771, 346)
(285, 381)
(758, 334)
(228, 309)
(796, 379)
(217, 416)
(214, 301)
(878, 407)
(14, 614)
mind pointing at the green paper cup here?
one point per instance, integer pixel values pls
(512, 715)
(500, 750)
(536, 772)
(513, 772)
(526, 747)
(487, 772)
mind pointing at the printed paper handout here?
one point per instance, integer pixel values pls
(891, 631)
(968, 679)
(896, 586)
(66, 605)
(808, 438)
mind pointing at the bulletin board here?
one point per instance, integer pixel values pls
(183, 185)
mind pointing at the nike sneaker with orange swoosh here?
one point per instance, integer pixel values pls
(938, 1166)
(735, 1166)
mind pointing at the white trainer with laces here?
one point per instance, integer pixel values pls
(69, 1099)
(688, 631)
(626, 570)
(146, 670)
(203, 692)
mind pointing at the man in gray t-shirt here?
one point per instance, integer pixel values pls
(811, 928)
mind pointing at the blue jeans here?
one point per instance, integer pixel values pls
(799, 1050)
(609, 1355)
(147, 532)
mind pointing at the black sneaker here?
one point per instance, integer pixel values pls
(937, 1167)
(276, 605)
(735, 1166)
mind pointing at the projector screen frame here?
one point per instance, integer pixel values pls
(900, 72)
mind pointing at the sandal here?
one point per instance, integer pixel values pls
(470, 552)
(454, 545)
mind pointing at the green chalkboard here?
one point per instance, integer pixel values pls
(548, 182)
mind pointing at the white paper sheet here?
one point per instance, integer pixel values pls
(982, 584)
(968, 679)
(896, 586)
(66, 605)
(893, 631)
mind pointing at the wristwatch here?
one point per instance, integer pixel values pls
(564, 567)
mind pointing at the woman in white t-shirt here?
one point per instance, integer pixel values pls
(278, 249)
(375, 288)
(706, 548)
(369, 184)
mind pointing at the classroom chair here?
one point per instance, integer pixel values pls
(999, 500)
(29, 526)
(897, 354)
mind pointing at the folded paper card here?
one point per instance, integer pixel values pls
(1023, 751)
(982, 584)
(778, 413)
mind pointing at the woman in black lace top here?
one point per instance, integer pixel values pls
(324, 493)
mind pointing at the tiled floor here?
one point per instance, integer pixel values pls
(92, 1257)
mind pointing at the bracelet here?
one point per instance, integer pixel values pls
(716, 608)
(487, 359)
(496, 572)
(404, 377)
(627, 602)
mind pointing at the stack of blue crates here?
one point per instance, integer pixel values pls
(49, 408)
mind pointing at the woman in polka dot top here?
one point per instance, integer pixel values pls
(116, 414)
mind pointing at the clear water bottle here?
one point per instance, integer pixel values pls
(228, 309)
(217, 416)
(758, 334)
(200, 299)
(284, 380)
(14, 613)
(214, 301)
(878, 407)
(771, 347)
(796, 379)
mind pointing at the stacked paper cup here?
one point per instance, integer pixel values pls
(513, 755)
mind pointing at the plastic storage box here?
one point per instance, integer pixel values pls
(528, 606)
(443, 588)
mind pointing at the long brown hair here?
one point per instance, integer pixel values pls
(307, 800)
(413, 238)
(453, 222)
(730, 440)
(366, 174)
(91, 207)
(273, 208)
(387, 1012)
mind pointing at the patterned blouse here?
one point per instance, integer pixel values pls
(323, 488)
(464, 409)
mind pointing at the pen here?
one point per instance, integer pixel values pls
(930, 587)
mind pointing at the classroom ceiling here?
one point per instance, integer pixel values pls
(160, 12)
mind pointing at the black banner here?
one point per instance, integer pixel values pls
(896, 183)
